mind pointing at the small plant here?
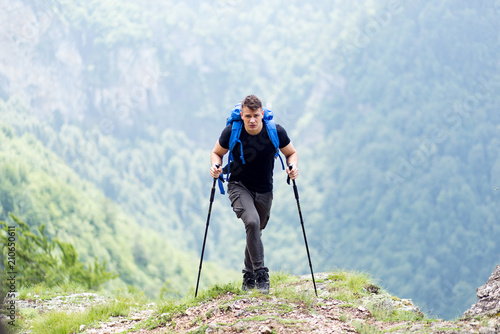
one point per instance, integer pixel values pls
(209, 313)
(349, 286)
(259, 318)
(280, 278)
(28, 313)
(344, 317)
(196, 320)
(200, 330)
(364, 328)
(285, 308)
(168, 310)
(392, 315)
(218, 290)
(354, 281)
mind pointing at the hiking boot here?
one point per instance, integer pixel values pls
(262, 280)
(248, 281)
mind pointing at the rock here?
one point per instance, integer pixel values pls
(265, 330)
(408, 306)
(381, 302)
(14, 295)
(489, 297)
(372, 288)
(82, 327)
(362, 309)
(486, 330)
(211, 329)
(240, 326)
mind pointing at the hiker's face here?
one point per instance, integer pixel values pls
(252, 119)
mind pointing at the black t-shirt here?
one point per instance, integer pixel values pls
(258, 151)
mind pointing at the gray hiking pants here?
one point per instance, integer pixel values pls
(254, 209)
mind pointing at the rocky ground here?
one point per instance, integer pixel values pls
(257, 313)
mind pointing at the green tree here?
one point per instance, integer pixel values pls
(38, 260)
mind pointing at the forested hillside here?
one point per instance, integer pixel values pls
(391, 105)
(36, 185)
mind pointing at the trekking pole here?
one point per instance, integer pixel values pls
(206, 231)
(290, 166)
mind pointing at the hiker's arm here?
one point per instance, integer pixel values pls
(291, 158)
(216, 159)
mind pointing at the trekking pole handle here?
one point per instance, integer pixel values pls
(296, 192)
(213, 186)
(290, 167)
(217, 166)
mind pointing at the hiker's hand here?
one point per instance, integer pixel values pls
(294, 173)
(215, 171)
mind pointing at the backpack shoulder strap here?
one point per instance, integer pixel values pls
(273, 133)
(237, 125)
(234, 119)
(235, 134)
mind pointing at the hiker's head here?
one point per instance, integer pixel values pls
(252, 102)
(252, 114)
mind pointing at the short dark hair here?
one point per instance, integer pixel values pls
(252, 102)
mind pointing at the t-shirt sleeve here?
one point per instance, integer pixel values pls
(225, 136)
(282, 135)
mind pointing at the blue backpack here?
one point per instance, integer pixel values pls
(237, 122)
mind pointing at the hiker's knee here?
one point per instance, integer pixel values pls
(252, 223)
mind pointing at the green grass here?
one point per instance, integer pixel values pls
(280, 308)
(200, 330)
(290, 321)
(259, 318)
(349, 286)
(286, 286)
(363, 328)
(60, 322)
(215, 291)
(44, 292)
(121, 303)
(395, 315)
(281, 277)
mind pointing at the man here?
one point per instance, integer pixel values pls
(251, 183)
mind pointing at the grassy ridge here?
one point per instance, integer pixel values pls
(291, 303)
